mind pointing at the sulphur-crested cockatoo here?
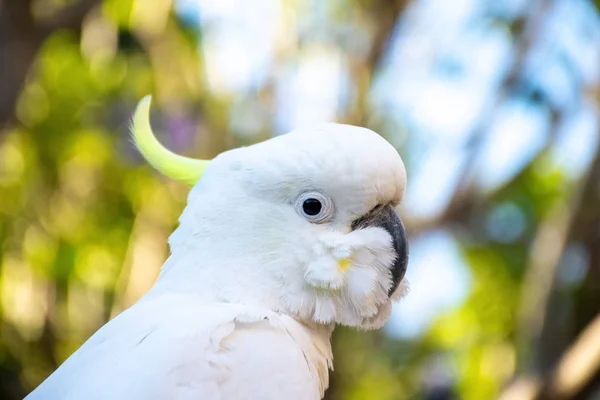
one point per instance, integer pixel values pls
(279, 242)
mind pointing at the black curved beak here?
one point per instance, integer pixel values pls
(387, 218)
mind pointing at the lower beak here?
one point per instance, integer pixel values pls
(387, 218)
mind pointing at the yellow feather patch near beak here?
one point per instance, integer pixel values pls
(344, 264)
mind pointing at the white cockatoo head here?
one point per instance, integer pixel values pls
(304, 224)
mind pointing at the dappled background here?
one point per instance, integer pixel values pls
(492, 104)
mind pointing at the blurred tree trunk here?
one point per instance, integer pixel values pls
(21, 36)
(384, 15)
(566, 360)
(19, 43)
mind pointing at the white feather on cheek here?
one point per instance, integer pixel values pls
(356, 296)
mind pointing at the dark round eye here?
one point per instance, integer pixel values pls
(312, 207)
(315, 206)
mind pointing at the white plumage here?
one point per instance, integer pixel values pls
(174, 346)
(245, 305)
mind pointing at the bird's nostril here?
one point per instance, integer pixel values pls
(365, 220)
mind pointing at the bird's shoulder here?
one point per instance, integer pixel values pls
(176, 346)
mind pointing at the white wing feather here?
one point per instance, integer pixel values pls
(174, 347)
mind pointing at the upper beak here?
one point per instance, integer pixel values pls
(387, 218)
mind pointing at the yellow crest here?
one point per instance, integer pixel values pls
(168, 163)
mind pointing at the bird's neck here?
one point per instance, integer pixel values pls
(227, 279)
(216, 275)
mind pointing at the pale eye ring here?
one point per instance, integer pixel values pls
(315, 207)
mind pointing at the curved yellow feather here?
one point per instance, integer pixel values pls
(168, 163)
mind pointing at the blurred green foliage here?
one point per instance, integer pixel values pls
(75, 200)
